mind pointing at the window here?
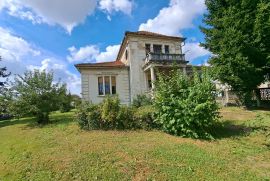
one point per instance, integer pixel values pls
(147, 48)
(167, 51)
(157, 48)
(106, 85)
(126, 54)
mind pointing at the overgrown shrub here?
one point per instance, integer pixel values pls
(186, 106)
(88, 116)
(109, 110)
(111, 115)
(144, 117)
(142, 100)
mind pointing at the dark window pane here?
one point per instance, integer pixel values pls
(147, 48)
(157, 48)
(107, 85)
(113, 85)
(100, 85)
(167, 49)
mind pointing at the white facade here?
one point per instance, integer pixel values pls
(130, 68)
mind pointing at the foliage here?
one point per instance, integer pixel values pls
(5, 94)
(37, 95)
(142, 100)
(109, 114)
(3, 74)
(144, 117)
(238, 34)
(186, 107)
(88, 116)
(66, 102)
(109, 110)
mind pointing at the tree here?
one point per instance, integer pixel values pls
(5, 95)
(37, 95)
(3, 74)
(238, 34)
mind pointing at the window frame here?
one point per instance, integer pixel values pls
(167, 46)
(155, 46)
(104, 86)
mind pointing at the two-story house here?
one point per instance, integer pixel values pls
(133, 72)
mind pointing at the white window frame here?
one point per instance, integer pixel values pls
(103, 84)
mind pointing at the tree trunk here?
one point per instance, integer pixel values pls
(43, 118)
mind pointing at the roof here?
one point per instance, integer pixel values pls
(146, 34)
(152, 34)
(114, 64)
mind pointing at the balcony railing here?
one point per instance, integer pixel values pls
(164, 58)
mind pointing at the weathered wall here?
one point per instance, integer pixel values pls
(89, 85)
(136, 48)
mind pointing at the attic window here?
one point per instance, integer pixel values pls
(126, 54)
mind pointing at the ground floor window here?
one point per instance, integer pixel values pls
(106, 85)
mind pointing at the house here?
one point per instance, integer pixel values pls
(133, 72)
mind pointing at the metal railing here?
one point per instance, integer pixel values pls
(162, 57)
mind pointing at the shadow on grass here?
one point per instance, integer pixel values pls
(30, 122)
(228, 129)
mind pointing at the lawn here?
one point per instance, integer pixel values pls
(61, 151)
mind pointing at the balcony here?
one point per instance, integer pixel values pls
(164, 58)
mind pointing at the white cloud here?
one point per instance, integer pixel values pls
(91, 53)
(19, 55)
(111, 6)
(194, 50)
(87, 53)
(109, 55)
(178, 16)
(14, 48)
(67, 14)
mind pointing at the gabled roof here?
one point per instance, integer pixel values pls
(114, 64)
(146, 34)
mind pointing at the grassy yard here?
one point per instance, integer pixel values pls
(61, 151)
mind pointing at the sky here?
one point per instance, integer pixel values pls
(53, 35)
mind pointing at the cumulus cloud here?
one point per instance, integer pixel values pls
(108, 55)
(19, 55)
(110, 6)
(87, 53)
(61, 72)
(91, 53)
(177, 16)
(67, 14)
(194, 50)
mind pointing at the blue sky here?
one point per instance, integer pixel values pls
(55, 35)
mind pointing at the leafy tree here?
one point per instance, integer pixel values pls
(186, 106)
(5, 95)
(37, 95)
(238, 34)
(66, 104)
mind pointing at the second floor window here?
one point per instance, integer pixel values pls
(157, 48)
(147, 48)
(106, 85)
(167, 51)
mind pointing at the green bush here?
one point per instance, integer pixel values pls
(186, 106)
(88, 116)
(125, 118)
(142, 100)
(111, 115)
(109, 110)
(144, 117)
